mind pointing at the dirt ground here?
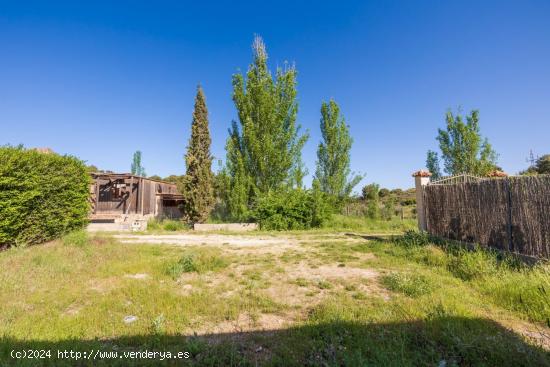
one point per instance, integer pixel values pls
(284, 268)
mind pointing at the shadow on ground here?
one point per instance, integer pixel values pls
(377, 237)
(438, 341)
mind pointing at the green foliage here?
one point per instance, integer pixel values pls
(168, 225)
(264, 148)
(177, 179)
(198, 187)
(340, 222)
(333, 154)
(136, 168)
(292, 209)
(42, 195)
(389, 209)
(412, 238)
(469, 265)
(371, 192)
(462, 147)
(412, 285)
(198, 261)
(432, 164)
(526, 291)
(540, 167)
(173, 225)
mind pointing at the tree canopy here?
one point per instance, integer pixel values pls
(463, 149)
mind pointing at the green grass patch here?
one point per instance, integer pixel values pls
(412, 285)
(197, 261)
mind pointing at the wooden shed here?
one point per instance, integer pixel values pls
(122, 194)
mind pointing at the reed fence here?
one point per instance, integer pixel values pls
(510, 214)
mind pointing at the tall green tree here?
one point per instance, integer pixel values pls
(136, 168)
(333, 154)
(463, 149)
(199, 180)
(432, 164)
(264, 146)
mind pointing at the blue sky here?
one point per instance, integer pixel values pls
(100, 80)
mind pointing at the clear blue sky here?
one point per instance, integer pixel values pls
(100, 80)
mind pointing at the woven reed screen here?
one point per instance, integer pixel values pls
(511, 214)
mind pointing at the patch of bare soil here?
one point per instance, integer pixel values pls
(261, 244)
(246, 322)
(536, 334)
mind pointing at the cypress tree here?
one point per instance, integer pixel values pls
(198, 185)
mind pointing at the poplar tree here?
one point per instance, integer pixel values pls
(432, 164)
(199, 181)
(136, 168)
(264, 146)
(333, 154)
(463, 149)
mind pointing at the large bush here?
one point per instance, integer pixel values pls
(42, 195)
(292, 209)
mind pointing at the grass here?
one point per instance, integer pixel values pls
(337, 222)
(412, 285)
(429, 304)
(166, 225)
(198, 261)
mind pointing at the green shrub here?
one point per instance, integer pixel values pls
(42, 195)
(412, 285)
(292, 209)
(199, 261)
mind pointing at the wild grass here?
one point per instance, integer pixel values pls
(506, 281)
(428, 306)
(198, 261)
(412, 285)
(166, 225)
(340, 222)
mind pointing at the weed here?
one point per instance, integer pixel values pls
(301, 282)
(413, 238)
(173, 225)
(412, 285)
(157, 326)
(323, 284)
(197, 261)
(469, 265)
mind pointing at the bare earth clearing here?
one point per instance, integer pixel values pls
(279, 266)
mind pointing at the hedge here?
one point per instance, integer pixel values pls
(42, 195)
